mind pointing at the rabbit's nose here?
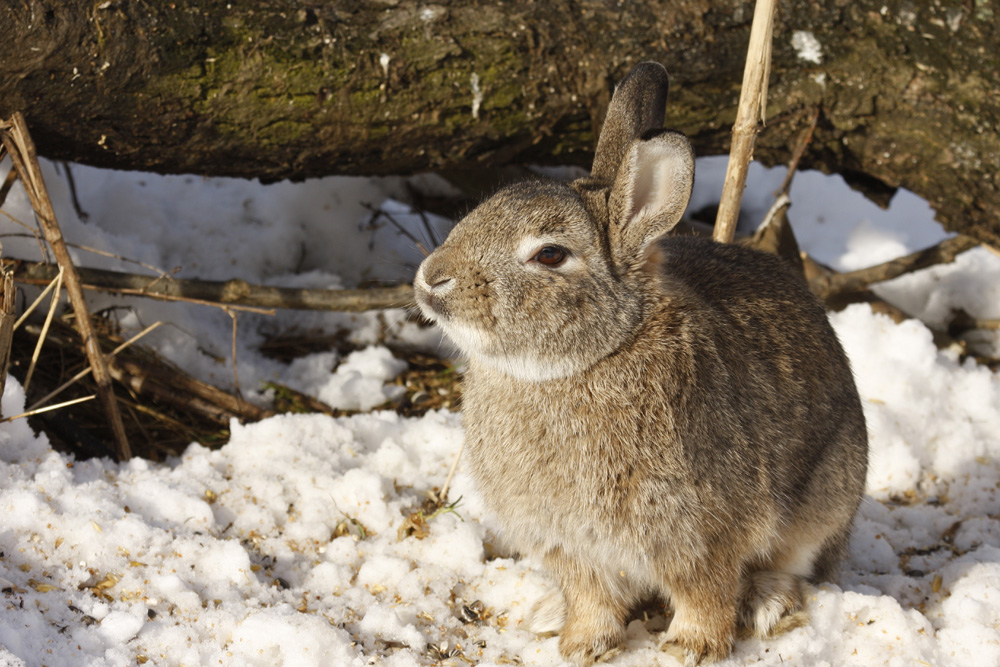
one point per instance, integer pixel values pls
(438, 280)
(440, 284)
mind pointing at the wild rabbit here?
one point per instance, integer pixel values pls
(648, 415)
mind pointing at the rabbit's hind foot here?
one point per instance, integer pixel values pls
(771, 604)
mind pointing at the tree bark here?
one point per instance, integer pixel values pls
(908, 93)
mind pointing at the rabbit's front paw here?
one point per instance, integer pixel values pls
(586, 644)
(692, 650)
(693, 643)
(548, 616)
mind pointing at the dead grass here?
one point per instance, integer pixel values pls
(157, 428)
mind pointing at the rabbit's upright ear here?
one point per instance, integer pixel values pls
(637, 106)
(650, 170)
(650, 192)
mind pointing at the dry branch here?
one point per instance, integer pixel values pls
(830, 285)
(21, 148)
(800, 149)
(775, 234)
(749, 114)
(179, 389)
(230, 292)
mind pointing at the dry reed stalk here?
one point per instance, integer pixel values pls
(21, 148)
(31, 413)
(53, 302)
(38, 300)
(7, 300)
(749, 114)
(8, 181)
(236, 373)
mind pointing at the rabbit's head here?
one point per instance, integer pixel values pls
(544, 279)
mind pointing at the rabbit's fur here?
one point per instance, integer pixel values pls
(648, 414)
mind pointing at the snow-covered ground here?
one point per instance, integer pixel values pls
(289, 545)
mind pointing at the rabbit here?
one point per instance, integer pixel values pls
(648, 415)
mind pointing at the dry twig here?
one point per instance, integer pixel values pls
(749, 114)
(800, 149)
(18, 143)
(148, 375)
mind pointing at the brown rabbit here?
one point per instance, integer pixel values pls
(648, 415)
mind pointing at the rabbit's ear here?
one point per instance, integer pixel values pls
(637, 106)
(650, 193)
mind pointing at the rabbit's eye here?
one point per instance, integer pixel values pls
(551, 255)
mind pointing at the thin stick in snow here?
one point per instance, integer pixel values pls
(236, 374)
(97, 251)
(443, 493)
(749, 113)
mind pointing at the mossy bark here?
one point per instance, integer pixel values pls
(908, 93)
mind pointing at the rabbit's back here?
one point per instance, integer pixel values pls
(784, 373)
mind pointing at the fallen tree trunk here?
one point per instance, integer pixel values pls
(908, 93)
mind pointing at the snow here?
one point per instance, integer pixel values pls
(284, 546)
(807, 47)
(355, 383)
